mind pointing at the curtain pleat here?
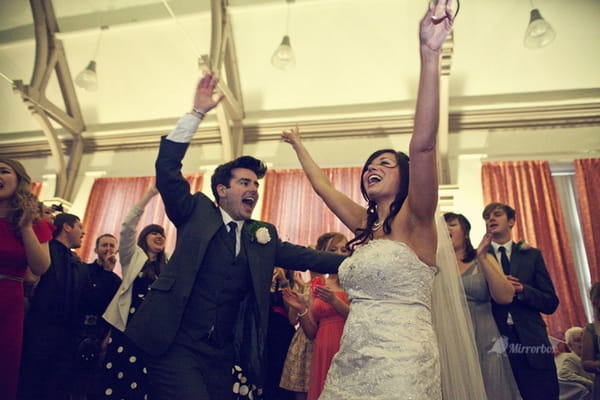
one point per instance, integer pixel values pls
(300, 215)
(528, 187)
(587, 181)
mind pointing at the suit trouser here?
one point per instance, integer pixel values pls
(185, 373)
(533, 383)
(47, 362)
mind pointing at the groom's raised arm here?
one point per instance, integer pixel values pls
(173, 188)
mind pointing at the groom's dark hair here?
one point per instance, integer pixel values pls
(222, 174)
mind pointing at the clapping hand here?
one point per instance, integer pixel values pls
(293, 300)
(325, 293)
(484, 245)
(30, 212)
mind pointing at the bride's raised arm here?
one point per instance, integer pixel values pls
(351, 214)
(423, 194)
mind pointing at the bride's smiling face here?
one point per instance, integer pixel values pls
(381, 177)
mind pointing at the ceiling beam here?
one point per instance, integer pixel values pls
(50, 59)
(223, 62)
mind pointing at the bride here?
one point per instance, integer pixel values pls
(389, 348)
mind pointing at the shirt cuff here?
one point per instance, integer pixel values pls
(185, 129)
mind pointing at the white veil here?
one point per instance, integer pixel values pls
(459, 361)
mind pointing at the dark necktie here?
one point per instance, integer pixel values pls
(231, 237)
(504, 260)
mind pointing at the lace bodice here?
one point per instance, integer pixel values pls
(387, 270)
(388, 349)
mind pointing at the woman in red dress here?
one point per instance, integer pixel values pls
(324, 320)
(24, 243)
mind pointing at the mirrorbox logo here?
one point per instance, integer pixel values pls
(501, 345)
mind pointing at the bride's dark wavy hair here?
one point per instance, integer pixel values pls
(403, 165)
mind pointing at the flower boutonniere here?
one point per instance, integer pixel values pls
(523, 245)
(258, 232)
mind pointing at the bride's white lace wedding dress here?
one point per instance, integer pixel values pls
(389, 349)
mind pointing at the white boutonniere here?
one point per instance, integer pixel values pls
(259, 232)
(523, 245)
(262, 235)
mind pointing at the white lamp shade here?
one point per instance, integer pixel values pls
(539, 32)
(87, 79)
(283, 57)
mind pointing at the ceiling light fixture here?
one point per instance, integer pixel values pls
(88, 79)
(283, 58)
(539, 32)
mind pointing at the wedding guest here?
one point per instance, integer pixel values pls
(570, 368)
(96, 294)
(296, 368)
(323, 320)
(279, 336)
(142, 262)
(483, 280)
(51, 325)
(30, 279)
(590, 353)
(520, 321)
(24, 243)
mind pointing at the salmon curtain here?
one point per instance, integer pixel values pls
(528, 187)
(587, 181)
(110, 201)
(300, 216)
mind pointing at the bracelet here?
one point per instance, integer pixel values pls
(200, 113)
(303, 314)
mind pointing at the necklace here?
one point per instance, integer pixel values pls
(376, 226)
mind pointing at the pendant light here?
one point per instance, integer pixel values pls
(283, 58)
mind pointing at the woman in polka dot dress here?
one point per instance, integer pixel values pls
(124, 372)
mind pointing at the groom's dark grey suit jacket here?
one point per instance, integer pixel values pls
(197, 219)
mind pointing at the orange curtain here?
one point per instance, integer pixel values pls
(36, 188)
(112, 198)
(587, 181)
(300, 215)
(528, 187)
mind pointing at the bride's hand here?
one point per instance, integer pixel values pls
(436, 24)
(292, 136)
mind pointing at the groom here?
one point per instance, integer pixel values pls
(209, 309)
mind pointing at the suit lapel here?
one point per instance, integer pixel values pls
(208, 229)
(252, 250)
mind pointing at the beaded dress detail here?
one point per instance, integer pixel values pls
(388, 349)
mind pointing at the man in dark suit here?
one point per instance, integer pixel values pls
(97, 292)
(50, 339)
(529, 349)
(209, 309)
